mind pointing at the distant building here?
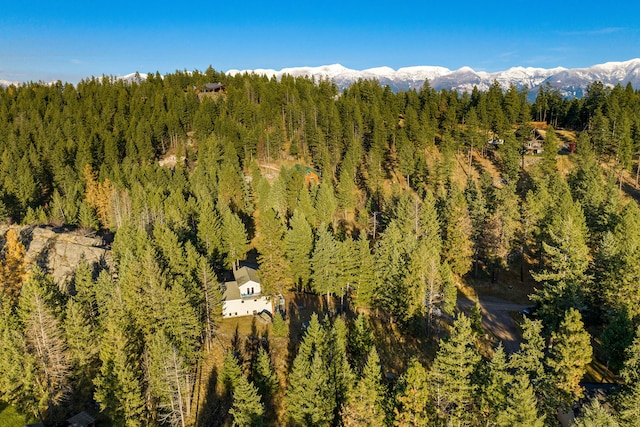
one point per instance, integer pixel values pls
(310, 174)
(243, 296)
(214, 87)
(81, 420)
(535, 144)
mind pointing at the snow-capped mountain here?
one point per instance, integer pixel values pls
(570, 82)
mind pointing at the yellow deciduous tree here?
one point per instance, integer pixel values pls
(13, 268)
(99, 195)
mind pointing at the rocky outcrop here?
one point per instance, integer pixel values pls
(59, 252)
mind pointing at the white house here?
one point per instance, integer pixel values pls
(243, 296)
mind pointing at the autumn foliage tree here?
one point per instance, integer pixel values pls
(13, 268)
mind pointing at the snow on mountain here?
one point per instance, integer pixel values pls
(570, 82)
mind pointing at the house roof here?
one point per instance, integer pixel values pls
(245, 274)
(81, 420)
(213, 86)
(232, 291)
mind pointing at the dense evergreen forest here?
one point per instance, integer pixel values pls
(411, 205)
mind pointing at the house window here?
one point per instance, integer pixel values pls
(252, 291)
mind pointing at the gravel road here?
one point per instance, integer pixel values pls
(498, 319)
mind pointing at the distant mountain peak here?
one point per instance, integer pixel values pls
(570, 82)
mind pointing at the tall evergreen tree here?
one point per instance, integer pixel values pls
(521, 406)
(450, 378)
(413, 398)
(299, 244)
(569, 357)
(365, 404)
(247, 409)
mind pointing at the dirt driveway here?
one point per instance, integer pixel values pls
(498, 319)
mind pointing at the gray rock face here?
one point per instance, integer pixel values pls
(60, 252)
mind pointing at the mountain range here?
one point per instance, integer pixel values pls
(571, 82)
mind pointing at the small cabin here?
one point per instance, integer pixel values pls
(310, 174)
(213, 87)
(535, 144)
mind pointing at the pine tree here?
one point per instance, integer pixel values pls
(495, 390)
(529, 359)
(18, 384)
(118, 383)
(596, 415)
(309, 400)
(628, 403)
(360, 341)
(365, 280)
(450, 378)
(230, 373)
(264, 378)
(326, 203)
(234, 238)
(413, 398)
(324, 263)
(299, 244)
(170, 381)
(567, 259)
(275, 270)
(521, 406)
(39, 309)
(247, 409)
(569, 357)
(365, 404)
(457, 247)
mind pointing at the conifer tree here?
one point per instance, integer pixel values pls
(521, 406)
(596, 415)
(309, 400)
(247, 409)
(456, 247)
(170, 381)
(230, 373)
(299, 244)
(275, 269)
(413, 398)
(18, 385)
(264, 378)
(40, 309)
(118, 387)
(567, 258)
(234, 238)
(569, 357)
(628, 403)
(324, 263)
(365, 404)
(495, 390)
(365, 280)
(450, 378)
(326, 203)
(529, 359)
(360, 341)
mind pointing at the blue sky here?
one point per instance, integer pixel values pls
(69, 41)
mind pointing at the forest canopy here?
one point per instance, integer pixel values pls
(384, 202)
